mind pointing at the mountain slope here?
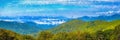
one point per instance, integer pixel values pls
(30, 24)
(101, 17)
(91, 26)
(23, 28)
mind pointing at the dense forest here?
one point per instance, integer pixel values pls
(72, 30)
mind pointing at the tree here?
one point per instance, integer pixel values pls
(28, 37)
(100, 35)
(45, 35)
(9, 35)
(117, 32)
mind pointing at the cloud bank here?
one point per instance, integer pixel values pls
(76, 8)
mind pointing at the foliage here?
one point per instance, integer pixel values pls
(72, 30)
(9, 35)
(45, 35)
(91, 26)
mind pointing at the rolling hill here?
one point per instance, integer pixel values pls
(23, 28)
(91, 26)
(101, 17)
(30, 25)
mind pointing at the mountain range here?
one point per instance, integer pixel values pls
(29, 24)
(101, 17)
(34, 24)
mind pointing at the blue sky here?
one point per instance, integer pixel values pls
(67, 8)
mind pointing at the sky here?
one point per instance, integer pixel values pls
(67, 8)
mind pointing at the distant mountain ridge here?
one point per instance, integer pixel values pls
(33, 24)
(22, 28)
(57, 20)
(101, 17)
(36, 19)
(28, 24)
(83, 26)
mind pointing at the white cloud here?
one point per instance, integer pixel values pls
(108, 12)
(106, 0)
(50, 22)
(36, 2)
(118, 11)
(54, 2)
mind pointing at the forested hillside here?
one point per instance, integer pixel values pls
(83, 26)
(72, 30)
(9, 35)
